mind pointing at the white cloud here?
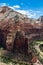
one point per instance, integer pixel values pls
(28, 13)
(38, 11)
(3, 4)
(31, 13)
(16, 6)
(11, 7)
(22, 11)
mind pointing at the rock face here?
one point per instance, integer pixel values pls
(16, 29)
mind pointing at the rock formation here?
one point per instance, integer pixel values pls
(18, 31)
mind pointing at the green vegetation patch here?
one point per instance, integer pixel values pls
(8, 60)
(41, 47)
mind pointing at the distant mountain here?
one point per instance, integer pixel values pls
(40, 19)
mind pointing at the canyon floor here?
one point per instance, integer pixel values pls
(18, 59)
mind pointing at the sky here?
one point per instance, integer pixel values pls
(31, 8)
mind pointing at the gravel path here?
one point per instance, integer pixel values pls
(1, 63)
(38, 50)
